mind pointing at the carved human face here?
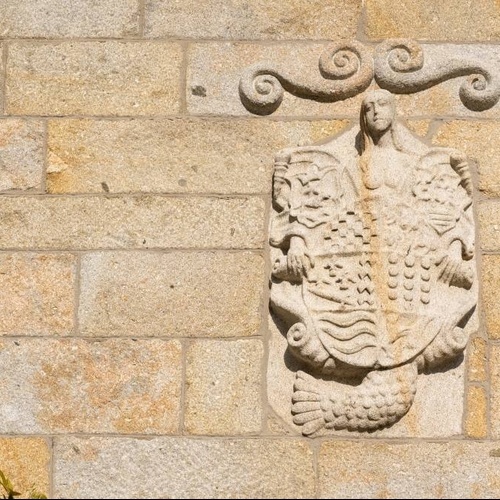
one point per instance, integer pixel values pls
(379, 110)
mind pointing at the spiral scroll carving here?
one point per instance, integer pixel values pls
(345, 70)
(401, 69)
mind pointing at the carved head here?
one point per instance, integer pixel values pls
(377, 112)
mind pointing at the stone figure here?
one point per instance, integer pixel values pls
(373, 271)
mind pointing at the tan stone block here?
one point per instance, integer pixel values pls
(491, 294)
(239, 19)
(172, 155)
(489, 225)
(93, 78)
(455, 469)
(419, 127)
(223, 387)
(37, 295)
(448, 20)
(183, 468)
(73, 385)
(213, 91)
(2, 80)
(480, 140)
(477, 363)
(495, 391)
(198, 294)
(131, 222)
(25, 462)
(476, 424)
(21, 154)
(60, 18)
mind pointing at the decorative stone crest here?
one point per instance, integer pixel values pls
(373, 271)
(372, 237)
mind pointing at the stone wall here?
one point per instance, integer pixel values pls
(133, 263)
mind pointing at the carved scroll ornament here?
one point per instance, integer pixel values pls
(347, 69)
(373, 269)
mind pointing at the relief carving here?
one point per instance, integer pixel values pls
(347, 69)
(373, 269)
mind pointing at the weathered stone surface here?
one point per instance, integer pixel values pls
(25, 461)
(489, 225)
(419, 127)
(214, 156)
(223, 387)
(435, 412)
(477, 370)
(182, 468)
(131, 222)
(313, 19)
(21, 154)
(491, 294)
(197, 294)
(476, 424)
(495, 391)
(2, 81)
(481, 141)
(59, 18)
(220, 94)
(37, 294)
(73, 385)
(448, 20)
(422, 470)
(93, 78)
(220, 90)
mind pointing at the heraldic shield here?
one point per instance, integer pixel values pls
(373, 269)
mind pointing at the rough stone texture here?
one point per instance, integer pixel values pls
(477, 368)
(448, 20)
(445, 419)
(491, 294)
(93, 78)
(59, 18)
(142, 294)
(177, 156)
(2, 80)
(220, 94)
(481, 142)
(489, 226)
(419, 127)
(37, 294)
(476, 425)
(300, 19)
(131, 222)
(182, 468)
(223, 381)
(112, 386)
(421, 470)
(495, 391)
(25, 461)
(21, 154)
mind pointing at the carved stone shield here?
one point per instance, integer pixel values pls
(372, 248)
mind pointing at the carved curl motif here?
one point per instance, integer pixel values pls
(373, 273)
(400, 68)
(347, 69)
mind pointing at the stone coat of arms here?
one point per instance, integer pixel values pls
(373, 270)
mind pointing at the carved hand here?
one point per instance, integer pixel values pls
(297, 257)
